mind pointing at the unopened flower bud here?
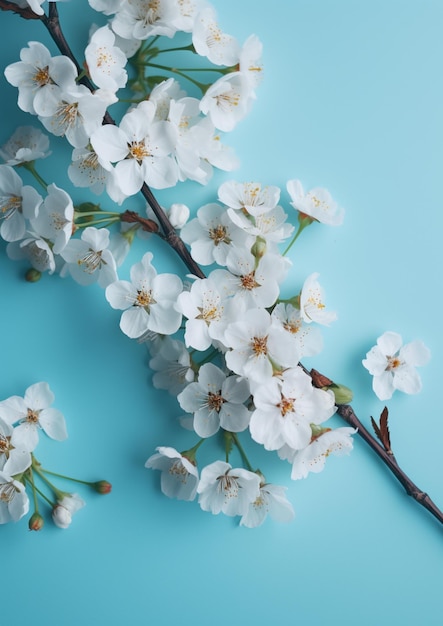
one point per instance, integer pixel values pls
(178, 215)
(259, 248)
(33, 275)
(61, 516)
(343, 395)
(102, 486)
(36, 521)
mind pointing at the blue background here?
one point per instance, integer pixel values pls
(352, 101)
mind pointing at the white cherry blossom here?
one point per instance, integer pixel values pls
(227, 101)
(106, 62)
(14, 502)
(32, 413)
(308, 337)
(228, 490)
(393, 364)
(286, 407)
(217, 401)
(250, 63)
(55, 218)
(211, 234)
(147, 301)
(257, 346)
(272, 501)
(249, 196)
(18, 203)
(317, 203)
(13, 458)
(89, 259)
(172, 366)
(85, 170)
(312, 306)
(179, 476)
(34, 248)
(140, 19)
(313, 458)
(209, 40)
(25, 144)
(38, 76)
(141, 149)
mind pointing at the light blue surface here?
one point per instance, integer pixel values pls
(351, 100)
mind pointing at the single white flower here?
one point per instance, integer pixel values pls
(204, 309)
(13, 458)
(250, 196)
(172, 366)
(39, 76)
(227, 101)
(85, 170)
(14, 502)
(55, 218)
(179, 476)
(32, 413)
(228, 490)
(35, 249)
(272, 501)
(285, 409)
(312, 306)
(211, 235)
(141, 149)
(89, 259)
(147, 301)
(74, 114)
(256, 284)
(65, 508)
(106, 62)
(257, 346)
(209, 40)
(25, 144)
(393, 364)
(18, 202)
(317, 203)
(250, 63)
(140, 19)
(308, 337)
(271, 226)
(313, 457)
(217, 401)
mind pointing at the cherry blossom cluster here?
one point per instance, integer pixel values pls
(21, 420)
(227, 343)
(166, 135)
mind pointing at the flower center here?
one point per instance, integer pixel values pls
(144, 298)
(92, 261)
(179, 471)
(138, 150)
(286, 405)
(292, 327)
(7, 492)
(66, 115)
(215, 401)
(209, 313)
(104, 58)
(248, 281)
(227, 100)
(58, 221)
(229, 485)
(260, 345)
(218, 234)
(9, 205)
(32, 416)
(5, 444)
(41, 77)
(393, 363)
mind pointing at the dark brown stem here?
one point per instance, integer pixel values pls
(344, 410)
(347, 413)
(27, 14)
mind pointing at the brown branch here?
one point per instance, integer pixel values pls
(27, 14)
